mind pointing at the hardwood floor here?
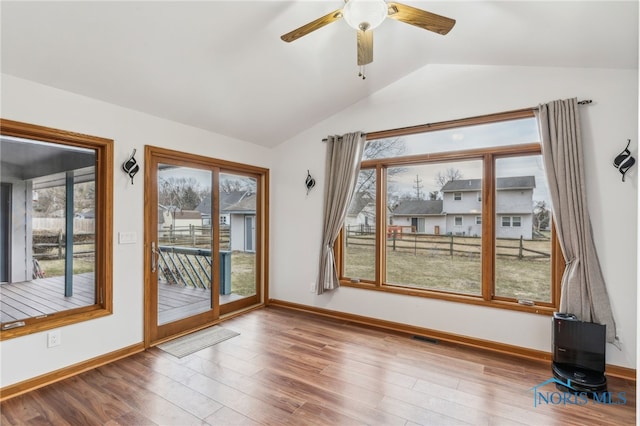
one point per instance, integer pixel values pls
(44, 296)
(291, 368)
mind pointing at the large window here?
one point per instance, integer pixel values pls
(56, 220)
(417, 228)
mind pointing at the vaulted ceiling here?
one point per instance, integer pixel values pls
(221, 66)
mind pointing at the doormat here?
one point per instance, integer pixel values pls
(186, 345)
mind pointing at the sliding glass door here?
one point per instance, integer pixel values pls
(204, 239)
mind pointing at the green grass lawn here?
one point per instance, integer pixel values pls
(243, 273)
(55, 267)
(429, 264)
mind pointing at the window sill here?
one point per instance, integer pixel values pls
(458, 298)
(33, 326)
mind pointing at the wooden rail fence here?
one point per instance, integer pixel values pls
(446, 244)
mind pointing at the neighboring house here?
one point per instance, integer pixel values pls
(172, 217)
(238, 212)
(362, 213)
(460, 210)
(422, 216)
(242, 221)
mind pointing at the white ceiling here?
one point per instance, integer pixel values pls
(221, 66)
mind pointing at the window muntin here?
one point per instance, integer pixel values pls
(62, 180)
(519, 127)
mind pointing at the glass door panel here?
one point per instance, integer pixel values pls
(238, 209)
(204, 241)
(183, 254)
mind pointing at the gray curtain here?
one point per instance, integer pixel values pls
(344, 154)
(583, 292)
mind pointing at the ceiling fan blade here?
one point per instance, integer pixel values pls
(365, 47)
(312, 26)
(420, 18)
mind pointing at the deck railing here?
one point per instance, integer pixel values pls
(191, 267)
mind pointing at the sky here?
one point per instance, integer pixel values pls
(472, 137)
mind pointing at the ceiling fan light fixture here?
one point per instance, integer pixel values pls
(365, 14)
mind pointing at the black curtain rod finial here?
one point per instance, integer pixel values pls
(585, 102)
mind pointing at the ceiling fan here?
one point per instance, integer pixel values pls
(365, 15)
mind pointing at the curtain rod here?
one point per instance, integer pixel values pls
(582, 102)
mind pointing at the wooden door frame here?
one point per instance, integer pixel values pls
(152, 156)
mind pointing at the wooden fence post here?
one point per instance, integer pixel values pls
(346, 236)
(451, 246)
(59, 244)
(520, 250)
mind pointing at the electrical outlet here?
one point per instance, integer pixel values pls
(312, 287)
(54, 338)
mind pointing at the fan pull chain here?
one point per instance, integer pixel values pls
(361, 72)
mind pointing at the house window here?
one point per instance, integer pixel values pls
(223, 220)
(512, 221)
(482, 262)
(60, 185)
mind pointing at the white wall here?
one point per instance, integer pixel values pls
(433, 94)
(444, 92)
(21, 100)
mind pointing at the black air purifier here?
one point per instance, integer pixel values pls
(579, 354)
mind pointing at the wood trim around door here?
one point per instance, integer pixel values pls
(154, 155)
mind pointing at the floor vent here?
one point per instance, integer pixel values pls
(426, 339)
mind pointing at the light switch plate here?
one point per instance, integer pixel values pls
(127, 237)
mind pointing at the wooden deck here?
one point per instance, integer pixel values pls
(45, 296)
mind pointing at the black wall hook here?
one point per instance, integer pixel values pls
(131, 166)
(624, 161)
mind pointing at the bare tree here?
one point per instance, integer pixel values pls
(366, 184)
(384, 148)
(49, 201)
(379, 148)
(229, 185)
(541, 216)
(52, 201)
(442, 178)
(434, 195)
(181, 193)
